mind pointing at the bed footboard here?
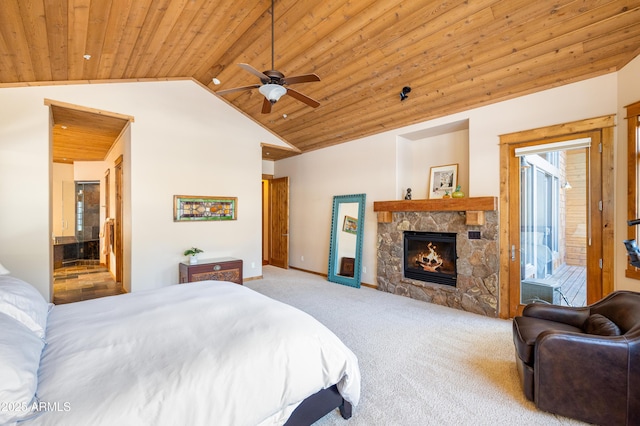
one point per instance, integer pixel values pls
(317, 406)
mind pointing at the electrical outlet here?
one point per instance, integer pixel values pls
(301, 258)
(253, 265)
(364, 269)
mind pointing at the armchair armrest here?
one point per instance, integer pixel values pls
(563, 314)
(583, 376)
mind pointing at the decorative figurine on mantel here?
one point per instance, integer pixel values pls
(408, 196)
(458, 193)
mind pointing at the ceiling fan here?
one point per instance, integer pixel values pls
(273, 81)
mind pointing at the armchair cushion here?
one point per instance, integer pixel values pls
(526, 331)
(600, 325)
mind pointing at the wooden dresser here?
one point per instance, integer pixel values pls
(220, 269)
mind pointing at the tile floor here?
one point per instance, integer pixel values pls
(83, 282)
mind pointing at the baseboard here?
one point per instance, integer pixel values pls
(325, 276)
(259, 277)
(308, 271)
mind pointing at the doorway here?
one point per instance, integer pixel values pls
(275, 220)
(557, 235)
(83, 142)
(553, 220)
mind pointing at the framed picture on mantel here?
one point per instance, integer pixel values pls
(443, 180)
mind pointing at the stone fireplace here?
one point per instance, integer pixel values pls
(475, 288)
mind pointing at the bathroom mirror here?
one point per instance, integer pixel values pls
(345, 248)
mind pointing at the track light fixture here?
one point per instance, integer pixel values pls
(405, 93)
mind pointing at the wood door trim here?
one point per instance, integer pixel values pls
(559, 130)
(603, 125)
(266, 218)
(633, 122)
(595, 250)
(118, 252)
(107, 213)
(608, 209)
(51, 102)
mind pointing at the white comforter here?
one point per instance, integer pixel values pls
(197, 354)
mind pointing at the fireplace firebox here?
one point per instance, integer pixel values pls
(430, 257)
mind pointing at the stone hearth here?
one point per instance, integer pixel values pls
(478, 260)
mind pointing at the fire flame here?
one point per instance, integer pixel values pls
(430, 261)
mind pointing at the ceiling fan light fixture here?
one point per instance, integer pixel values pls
(273, 92)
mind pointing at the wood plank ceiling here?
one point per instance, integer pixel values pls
(73, 128)
(454, 54)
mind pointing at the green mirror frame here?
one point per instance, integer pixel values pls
(341, 227)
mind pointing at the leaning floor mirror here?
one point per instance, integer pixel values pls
(345, 249)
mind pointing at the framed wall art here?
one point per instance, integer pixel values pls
(442, 180)
(190, 208)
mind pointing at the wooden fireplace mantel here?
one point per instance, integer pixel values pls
(474, 207)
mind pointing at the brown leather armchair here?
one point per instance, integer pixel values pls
(583, 362)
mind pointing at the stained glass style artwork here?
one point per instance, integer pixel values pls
(194, 208)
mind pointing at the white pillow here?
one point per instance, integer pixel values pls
(23, 302)
(20, 352)
(3, 270)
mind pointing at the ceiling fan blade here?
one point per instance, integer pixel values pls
(237, 89)
(306, 78)
(266, 106)
(263, 77)
(303, 98)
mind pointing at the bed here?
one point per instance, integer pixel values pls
(204, 353)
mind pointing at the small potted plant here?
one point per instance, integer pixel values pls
(193, 254)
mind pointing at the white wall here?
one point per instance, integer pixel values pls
(418, 156)
(184, 141)
(25, 170)
(628, 93)
(89, 170)
(373, 165)
(363, 166)
(268, 167)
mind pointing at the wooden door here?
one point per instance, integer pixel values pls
(279, 208)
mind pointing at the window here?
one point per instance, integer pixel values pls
(633, 176)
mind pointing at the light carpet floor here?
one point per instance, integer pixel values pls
(421, 364)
